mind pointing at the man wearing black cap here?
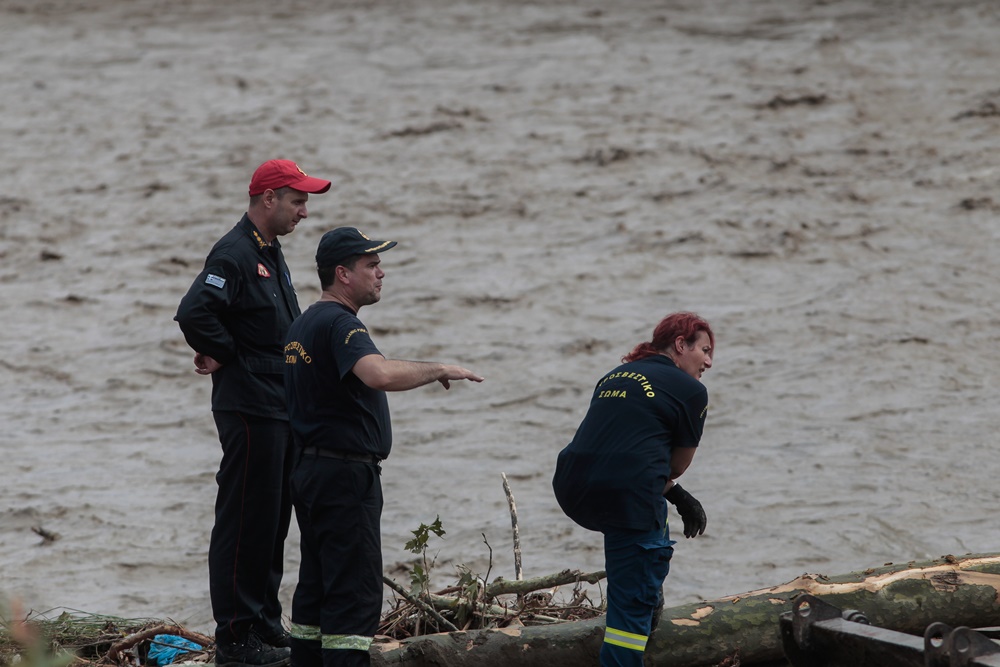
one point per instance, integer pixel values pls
(335, 381)
(235, 316)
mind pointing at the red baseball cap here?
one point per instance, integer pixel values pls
(275, 174)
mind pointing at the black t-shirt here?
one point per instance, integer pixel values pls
(328, 406)
(613, 472)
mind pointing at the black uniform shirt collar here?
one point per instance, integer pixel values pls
(246, 224)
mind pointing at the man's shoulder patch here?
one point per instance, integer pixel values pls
(350, 333)
(215, 281)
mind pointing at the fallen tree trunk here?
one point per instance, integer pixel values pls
(906, 598)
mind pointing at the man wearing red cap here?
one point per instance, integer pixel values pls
(236, 316)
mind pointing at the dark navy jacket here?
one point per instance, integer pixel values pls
(611, 476)
(238, 311)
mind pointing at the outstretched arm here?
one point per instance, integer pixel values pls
(397, 375)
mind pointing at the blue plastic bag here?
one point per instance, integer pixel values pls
(164, 649)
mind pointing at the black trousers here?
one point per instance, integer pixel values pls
(252, 512)
(338, 600)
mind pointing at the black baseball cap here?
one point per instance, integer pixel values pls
(345, 242)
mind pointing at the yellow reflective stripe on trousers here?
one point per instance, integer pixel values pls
(347, 642)
(306, 632)
(625, 639)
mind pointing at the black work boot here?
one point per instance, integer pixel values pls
(251, 652)
(276, 637)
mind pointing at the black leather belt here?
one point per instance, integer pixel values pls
(342, 455)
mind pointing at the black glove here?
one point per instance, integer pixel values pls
(690, 510)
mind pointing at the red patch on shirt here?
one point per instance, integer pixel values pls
(262, 271)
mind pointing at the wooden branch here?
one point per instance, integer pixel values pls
(456, 605)
(518, 572)
(114, 653)
(520, 588)
(504, 587)
(420, 604)
(47, 535)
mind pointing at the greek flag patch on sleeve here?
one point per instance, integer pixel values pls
(215, 281)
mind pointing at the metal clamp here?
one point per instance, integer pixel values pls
(818, 634)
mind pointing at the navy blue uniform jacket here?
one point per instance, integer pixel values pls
(611, 476)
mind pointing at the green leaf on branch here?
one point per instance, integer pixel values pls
(422, 534)
(419, 578)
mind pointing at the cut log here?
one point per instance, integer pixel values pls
(906, 598)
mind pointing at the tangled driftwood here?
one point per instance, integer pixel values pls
(115, 654)
(476, 603)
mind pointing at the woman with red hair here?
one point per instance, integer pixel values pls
(639, 435)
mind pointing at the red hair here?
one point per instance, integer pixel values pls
(687, 325)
